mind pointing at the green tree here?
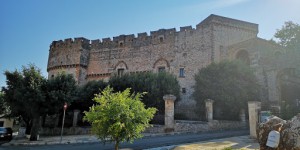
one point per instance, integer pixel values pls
(86, 93)
(119, 116)
(30, 96)
(59, 90)
(24, 95)
(289, 35)
(155, 84)
(229, 84)
(4, 110)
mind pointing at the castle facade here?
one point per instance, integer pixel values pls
(182, 53)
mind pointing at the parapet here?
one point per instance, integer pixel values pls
(70, 42)
(164, 32)
(155, 37)
(186, 28)
(215, 19)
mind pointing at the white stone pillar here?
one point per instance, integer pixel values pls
(169, 112)
(75, 117)
(254, 109)
(209, 109)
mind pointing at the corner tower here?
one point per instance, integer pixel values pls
(70, 56)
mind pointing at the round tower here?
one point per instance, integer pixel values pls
(69, 56)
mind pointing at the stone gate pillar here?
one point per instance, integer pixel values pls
(75, 117)
(254, 110)
(209, 109)
(169, 112)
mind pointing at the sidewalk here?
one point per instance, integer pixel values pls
(238, 142)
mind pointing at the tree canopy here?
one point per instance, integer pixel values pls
(58, 90)
(4, 110)
(289, 35)
(155, 84)
(29, 95)
(86, 93)
(119, 116)
(229, 84)
(24, 94)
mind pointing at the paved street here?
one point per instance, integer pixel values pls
(145, 143)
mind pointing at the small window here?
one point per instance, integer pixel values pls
(120, 72)
(121, 44)
(183, 90)
(161, 69)
(181, 72)
(1, 123)
(161, 39)
(52, 76)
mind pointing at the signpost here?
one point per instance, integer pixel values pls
(63, 121)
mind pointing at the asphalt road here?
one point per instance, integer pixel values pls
(148, 142)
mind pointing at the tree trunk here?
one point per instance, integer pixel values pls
(28, 124)
(28, 129)
(117, 145)
(35, 128)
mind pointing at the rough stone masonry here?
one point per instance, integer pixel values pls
(182, 53)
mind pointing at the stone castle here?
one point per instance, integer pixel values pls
(182, 53)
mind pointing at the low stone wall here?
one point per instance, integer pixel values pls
(180, 126)
(200, 126)
(67, 131)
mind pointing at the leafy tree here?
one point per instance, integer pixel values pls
(229, 84)
(86, 93)
(24, 95)
(59, 90)
(4, 110)
(119, 116)
(30, 95)
(289, 35)
(155, 84)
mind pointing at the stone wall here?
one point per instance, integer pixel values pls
(200, 126)
(67, 131)
(214, 39)
(180, 126)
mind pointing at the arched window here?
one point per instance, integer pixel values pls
(161, 65)
(243, 55)
(121, 68)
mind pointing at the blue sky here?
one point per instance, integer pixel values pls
(27, 27)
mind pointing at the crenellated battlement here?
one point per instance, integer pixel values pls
(67, 43)
(122, 40)
(160, 36)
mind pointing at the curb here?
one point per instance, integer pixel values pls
(76, 141)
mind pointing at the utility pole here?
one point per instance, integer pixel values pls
(63, 121)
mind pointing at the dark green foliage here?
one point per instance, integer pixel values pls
(86, 93)
(4, 110)
(155, 84)
(24, 95)
(289, 35)
(229, 84)
(29, 95)
(290, 102)
(59, 90)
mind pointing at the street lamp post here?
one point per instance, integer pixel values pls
(63, 121)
